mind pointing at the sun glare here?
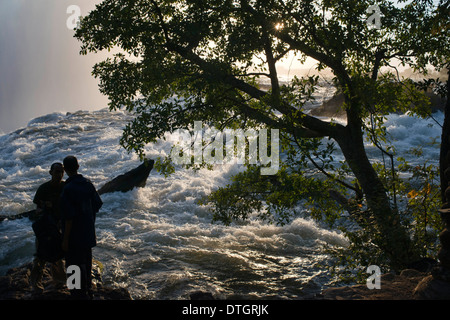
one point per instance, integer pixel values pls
(279, 26)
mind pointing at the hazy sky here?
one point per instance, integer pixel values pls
(41, 70)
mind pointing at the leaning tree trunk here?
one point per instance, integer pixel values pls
(384, 222)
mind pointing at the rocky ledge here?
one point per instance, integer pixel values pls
(15, 285)
(408, 285)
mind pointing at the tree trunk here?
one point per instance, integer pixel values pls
(445, 144)
(390, 236)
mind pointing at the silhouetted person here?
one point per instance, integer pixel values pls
(79, 204)
(47, 200)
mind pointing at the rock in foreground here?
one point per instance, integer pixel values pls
(405, 286)
(393, 287)
(15, 285)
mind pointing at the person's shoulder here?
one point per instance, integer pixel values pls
(85, 179)
(44, 186)
(77, 181)
(41, 192)
(67, 184)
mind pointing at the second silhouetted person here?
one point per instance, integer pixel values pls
(80, 203)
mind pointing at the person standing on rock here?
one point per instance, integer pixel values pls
(80, 203)
(47, 201)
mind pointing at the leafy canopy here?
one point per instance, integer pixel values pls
(204, 60)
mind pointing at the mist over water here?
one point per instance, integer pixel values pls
(41, 70)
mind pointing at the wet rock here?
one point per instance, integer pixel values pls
(32, 215)
(201, 295)
(126, 182)
(393, 287)
(332, 108)
(432, 288)
(15, 285)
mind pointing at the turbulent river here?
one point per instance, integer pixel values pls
(157, 241)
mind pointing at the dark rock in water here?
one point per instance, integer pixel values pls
(201, 295)
(15, 285)
(331, 108)
(437, 103)
(32, 215)
(126, 182)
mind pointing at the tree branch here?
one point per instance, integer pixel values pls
(161, 20)
(379, 55)
(304, 125)
(328, 175)
(277, 124)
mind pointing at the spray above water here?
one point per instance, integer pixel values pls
(213, 153)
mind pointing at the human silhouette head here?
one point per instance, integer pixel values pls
(57, 172)
(71, 165)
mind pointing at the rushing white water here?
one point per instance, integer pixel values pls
(157, 241)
